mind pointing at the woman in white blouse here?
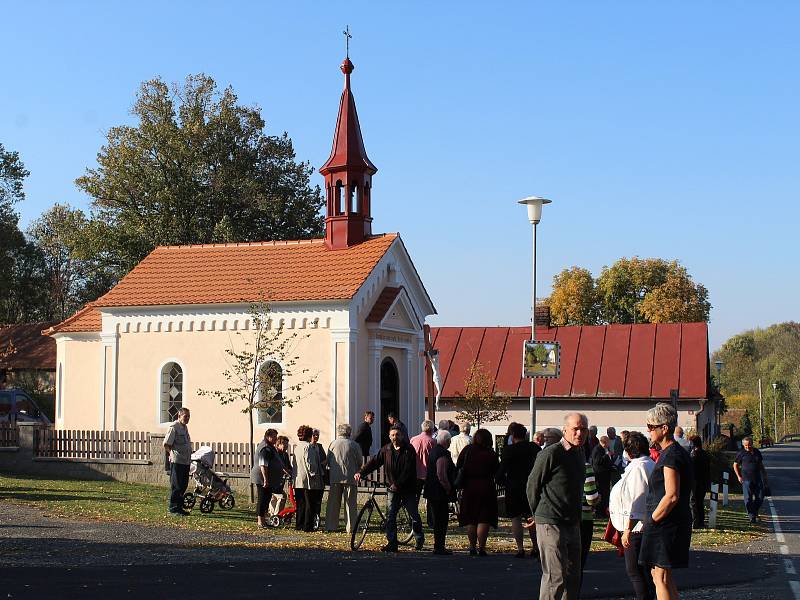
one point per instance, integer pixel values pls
(627, 508)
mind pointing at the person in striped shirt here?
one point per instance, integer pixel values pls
(591, 497)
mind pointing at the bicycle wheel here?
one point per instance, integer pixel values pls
(362, 526)
(405, 528)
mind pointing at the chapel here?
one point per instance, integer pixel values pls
(129, 360)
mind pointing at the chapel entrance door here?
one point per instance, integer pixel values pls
(390, 396)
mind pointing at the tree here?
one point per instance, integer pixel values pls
(770, 355)
(479, 403)
(678, 299)
(632, 290)
(12, 242)
(261, 368)
(196, 168)
(574, 299)
(57, 234)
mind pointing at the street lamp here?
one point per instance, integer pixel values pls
(534, 204)
(775, 400)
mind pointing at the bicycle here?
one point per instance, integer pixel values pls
(365, 523)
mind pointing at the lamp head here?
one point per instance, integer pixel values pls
(775, 386)
(718, 364)
(534, 204)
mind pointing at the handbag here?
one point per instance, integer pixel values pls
(613, 537)
(767, 491)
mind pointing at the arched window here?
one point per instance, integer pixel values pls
(270, 393)
(171, 391)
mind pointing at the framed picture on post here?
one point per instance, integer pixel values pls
(541, 359)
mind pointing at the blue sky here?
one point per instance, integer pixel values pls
(658, 129)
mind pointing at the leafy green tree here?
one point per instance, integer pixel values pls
(574, 299)
(57, 234)
(632, 290)
(650, 290)
(196, 168)
(21, 289)
(768, 354)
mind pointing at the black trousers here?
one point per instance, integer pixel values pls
(309, 503)
(178, 482)
(698, 508)
(640, 576)
(264, 496)
(438, 510)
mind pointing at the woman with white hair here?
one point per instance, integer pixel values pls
(668, 526)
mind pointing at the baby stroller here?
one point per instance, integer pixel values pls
(282, 507)
(209, 487)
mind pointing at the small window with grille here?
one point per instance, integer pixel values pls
(270, 392)
(171, 391)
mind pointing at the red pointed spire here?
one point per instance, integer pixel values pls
(348, 176)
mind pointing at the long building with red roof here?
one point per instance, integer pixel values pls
(613, 373)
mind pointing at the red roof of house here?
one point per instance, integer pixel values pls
(607, 361)
(234, 273)
(31, 349)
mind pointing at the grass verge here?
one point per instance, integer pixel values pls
(114, 501)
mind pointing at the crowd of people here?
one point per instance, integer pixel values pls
(556, 483)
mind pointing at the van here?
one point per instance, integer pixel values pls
(16, 406)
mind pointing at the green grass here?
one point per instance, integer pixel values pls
(115, 501)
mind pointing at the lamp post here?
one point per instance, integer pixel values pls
(534, 204)
(775, 400)
(717, 412)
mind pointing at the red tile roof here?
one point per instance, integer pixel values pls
(383, 304)
(32, 350)
(234, 273)
(611, 361)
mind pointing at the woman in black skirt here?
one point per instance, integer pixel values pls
(668, 527)
(515, 467)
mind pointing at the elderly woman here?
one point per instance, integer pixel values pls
(479, 501)
(515, 466)
(668, 525)
(307, 477)
(344, 461)
(628, 509)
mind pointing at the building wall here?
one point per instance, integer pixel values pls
(201, 354)
(79, 400)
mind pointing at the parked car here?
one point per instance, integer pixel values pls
(16, 406)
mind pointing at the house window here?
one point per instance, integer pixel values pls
(270, 393)
(171, 391)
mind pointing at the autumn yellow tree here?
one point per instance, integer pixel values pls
(479, 403)
(574, 300)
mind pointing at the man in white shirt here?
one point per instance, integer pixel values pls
(679, 437)
(461, 441)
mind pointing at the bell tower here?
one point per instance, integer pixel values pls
(348, 176)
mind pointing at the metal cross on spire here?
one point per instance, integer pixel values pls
(347, 38)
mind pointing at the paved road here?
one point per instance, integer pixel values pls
(783, 466)
(768, 571)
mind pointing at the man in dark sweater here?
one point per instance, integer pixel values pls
(555, 493)
(400, 468)
(364, 433)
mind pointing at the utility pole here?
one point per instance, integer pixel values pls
(760, 409)
(775, 400)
